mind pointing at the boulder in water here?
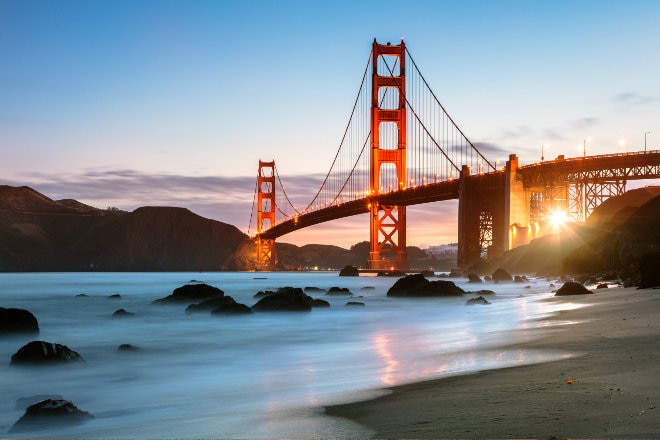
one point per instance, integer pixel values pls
(210, 304)
(17, 321)
(232, 308)
(40, 352)
(286, 299)
(474, 278)
(501, 275)
(48, 414)
(349, 271)
(417, 285)
(477, 300)
(191, 293)
(339, 291)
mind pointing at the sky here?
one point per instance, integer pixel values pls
(154, 102)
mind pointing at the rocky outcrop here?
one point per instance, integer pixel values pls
(477, 300)
(572, 288)
(232, 308)
(48, 414)
(339, 291)
(417, 285)
(289, 299)
(122, 313)
(191, 293)
(349, 271)
(210, 304)
(17, 321)
(501, 275)
(42, 352)
(474, 278)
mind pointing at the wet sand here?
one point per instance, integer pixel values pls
(609, 388)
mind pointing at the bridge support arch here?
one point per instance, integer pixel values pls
(388, 222)
(266, 252)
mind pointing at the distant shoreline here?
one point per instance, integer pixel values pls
(608, 389)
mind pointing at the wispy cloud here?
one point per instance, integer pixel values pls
(634, 98)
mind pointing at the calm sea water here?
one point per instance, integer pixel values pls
(265, 375)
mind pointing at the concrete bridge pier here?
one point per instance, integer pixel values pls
(493, 213)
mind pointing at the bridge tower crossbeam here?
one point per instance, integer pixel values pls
(387, 222)
(266, 252)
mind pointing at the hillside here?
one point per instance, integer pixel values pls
(616, 235)
(40, 234)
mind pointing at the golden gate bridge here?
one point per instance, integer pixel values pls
(401, 147)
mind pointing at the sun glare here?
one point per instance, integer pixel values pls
(558, 218)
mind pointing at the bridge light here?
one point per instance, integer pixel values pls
(558, 218)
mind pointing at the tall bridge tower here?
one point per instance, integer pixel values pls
(266, 255)
(388, 222)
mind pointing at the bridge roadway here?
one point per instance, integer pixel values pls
(625, 166)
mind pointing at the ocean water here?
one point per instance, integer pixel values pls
(265, 375)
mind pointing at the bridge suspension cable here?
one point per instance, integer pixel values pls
(436, 147)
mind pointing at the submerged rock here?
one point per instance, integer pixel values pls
(191, 293)
(232, 308)
(17, 321)
(474, 278)
(291, 299)
(417, 285)
(349, 271)
(127, 347)
(39, 352)
(339, 291)
(210, 304)
(355, 303)
(320, 303)
(572, 288)
(122, 313)
(477, 300)
(501, 275)
(48, 414)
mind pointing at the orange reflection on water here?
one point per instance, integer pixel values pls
(382, 344)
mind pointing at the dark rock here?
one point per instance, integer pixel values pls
(428, 273)
(488, 278)
(482, 292)
(367, 288)
(262, 293)
(501, 275)
(191, 293)
(17, 321)
(477, 300)
(233, 308)
(210, 304)
(572, 288)
(649, 269)
(81, 295)
(602, 286)
(23, 403)
(339, 291)
(349, 271)
(285, 299)
(38, 352)
(115, 296)
(473, 278)
(355, 303)
(49, 413)
(417, 285)
(320, 303)
(520, 279)
(128, 347)
(313, 289)
(122, 313)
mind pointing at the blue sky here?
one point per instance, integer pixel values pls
(133, 103)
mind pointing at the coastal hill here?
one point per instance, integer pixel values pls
(613, 239)
(41, 234)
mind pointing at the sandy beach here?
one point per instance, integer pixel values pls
(608, 388)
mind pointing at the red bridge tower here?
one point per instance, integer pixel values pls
(388, 222)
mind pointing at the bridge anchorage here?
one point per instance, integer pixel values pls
(401, 148)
